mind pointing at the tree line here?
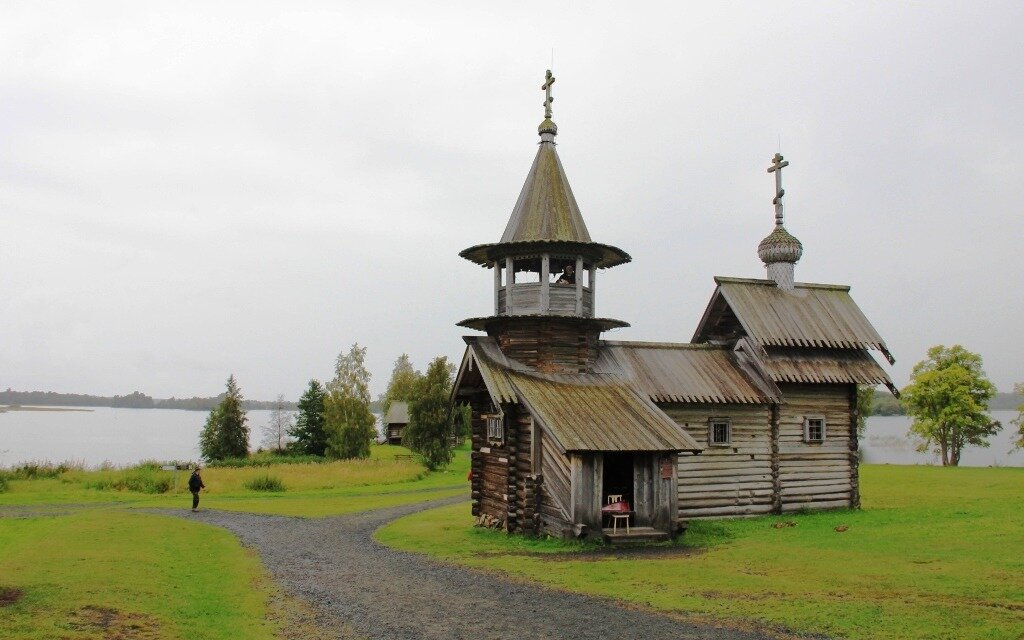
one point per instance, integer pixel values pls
(134, 400)
(335, 419)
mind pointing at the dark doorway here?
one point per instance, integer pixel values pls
(618, 477)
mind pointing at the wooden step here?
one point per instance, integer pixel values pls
(636, 535)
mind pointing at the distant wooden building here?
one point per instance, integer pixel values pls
(395, 422)
(756, 415)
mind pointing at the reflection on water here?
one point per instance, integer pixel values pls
(126, 436)
(887, 442)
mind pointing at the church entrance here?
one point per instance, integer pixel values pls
(618, 478)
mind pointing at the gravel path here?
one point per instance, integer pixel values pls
(363, 587)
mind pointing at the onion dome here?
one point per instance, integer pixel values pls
(780, 246)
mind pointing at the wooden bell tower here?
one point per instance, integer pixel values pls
(545, 270)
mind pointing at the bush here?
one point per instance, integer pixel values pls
(264, 482)
(3, 482)
(265, 459)
(143, 479)
(39, 470)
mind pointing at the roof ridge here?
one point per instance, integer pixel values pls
(640, 344)
(771, 283)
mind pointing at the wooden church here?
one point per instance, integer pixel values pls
(578, 436)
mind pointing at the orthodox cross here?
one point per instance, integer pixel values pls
(776, 168)
(548, 81)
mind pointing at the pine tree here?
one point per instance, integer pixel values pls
(430, 422)
(226, 434)
(310, 436)
(349, 424)
(402, 384)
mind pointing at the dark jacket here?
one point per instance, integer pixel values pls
(195, 483)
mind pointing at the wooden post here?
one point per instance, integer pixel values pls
(593, 291)
(776, 479)
(854, 457)
(579, 285)
(545, 284)
(510, 280)
(497, 286)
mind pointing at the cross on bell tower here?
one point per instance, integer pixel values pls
(548, 81)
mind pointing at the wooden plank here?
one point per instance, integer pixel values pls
(726, 511)
(798, 506)
(746, 486)
(697, 481)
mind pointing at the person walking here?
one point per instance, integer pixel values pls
(195, 483)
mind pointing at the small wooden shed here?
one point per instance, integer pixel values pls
(395, 422)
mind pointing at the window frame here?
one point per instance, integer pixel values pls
(496, 429)
(807, 429)
(711, 431)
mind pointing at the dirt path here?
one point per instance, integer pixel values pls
(356, 585)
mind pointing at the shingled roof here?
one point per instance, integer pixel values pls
(679, 372)
(603, 411)
(811, 315)
(589, 412)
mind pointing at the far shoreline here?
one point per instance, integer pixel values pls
(18, 407)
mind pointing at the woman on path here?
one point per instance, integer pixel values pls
(195, 483)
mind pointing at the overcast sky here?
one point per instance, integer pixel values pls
(189, 190)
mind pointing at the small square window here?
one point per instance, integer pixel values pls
(814, 429)
(496, 427)
(719, 432)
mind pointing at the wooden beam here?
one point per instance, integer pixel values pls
(545, 282)
(510, 280)
(497, 285)
(593, 291)
(579, 285)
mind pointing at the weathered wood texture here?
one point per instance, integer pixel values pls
(816, 475)
(555, 495)
(730, 480)
(549, 345)
(528, 298)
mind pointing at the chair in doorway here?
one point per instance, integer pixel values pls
(618, 510)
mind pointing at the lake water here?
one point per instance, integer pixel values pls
(126, 436)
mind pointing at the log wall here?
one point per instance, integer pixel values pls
(817, 475)
(549, 345)
(732, 480)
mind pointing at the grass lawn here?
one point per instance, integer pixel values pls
(78, 559)
(112, 573)
(312, 490)
(934, 553)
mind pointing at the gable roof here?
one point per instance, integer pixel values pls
(583, 412)
(811, 315)
(587, 412)
(398, 413)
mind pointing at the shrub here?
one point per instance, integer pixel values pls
(266, 459)
(3, 482)
(264, 482)
(142, 479)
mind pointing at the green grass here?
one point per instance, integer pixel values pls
(391, 477)
(87, 563)
(103, 571)
(935, 553)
